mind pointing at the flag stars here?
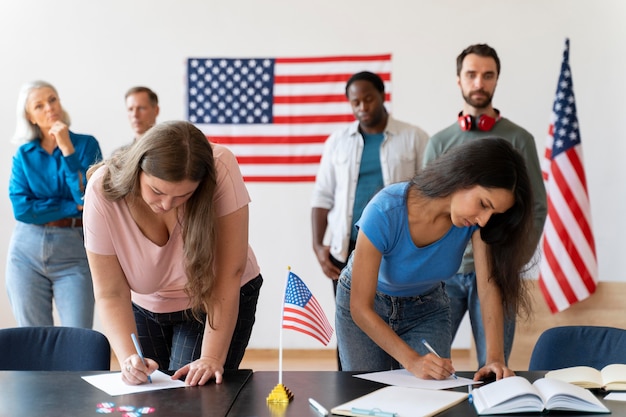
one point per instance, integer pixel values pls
(236, 91)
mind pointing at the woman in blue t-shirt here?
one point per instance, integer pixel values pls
(391, 298)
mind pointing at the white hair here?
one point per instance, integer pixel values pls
(25, 131)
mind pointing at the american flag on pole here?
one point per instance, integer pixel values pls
(276, 113)
(303, 313)
(568, 270)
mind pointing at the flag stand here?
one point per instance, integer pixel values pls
(280, 396)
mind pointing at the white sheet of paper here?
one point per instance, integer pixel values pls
(112, 383)
(403, 378)
(616, 396)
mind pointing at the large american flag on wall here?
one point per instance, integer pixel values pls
(276, 113)
(568, 270)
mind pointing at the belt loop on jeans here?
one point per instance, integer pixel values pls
(67, 222)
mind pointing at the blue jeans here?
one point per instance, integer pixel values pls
(175, 339)
(415, 318)
(463, 294)
(46, 264)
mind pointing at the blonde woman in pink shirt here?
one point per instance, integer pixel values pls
(166, 233)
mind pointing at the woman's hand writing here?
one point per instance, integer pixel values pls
(431, 366)
(135, 372)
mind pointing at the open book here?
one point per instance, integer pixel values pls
(611, 377)
(401, 402)
(516, 395)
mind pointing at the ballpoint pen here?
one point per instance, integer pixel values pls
(140, 353)
(431, 350)
(318, 407)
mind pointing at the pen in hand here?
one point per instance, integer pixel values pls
(431, 350)
(140, 353)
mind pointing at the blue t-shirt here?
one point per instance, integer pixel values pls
(405, 269)
(370, 176)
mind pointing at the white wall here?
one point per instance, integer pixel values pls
(92, 51)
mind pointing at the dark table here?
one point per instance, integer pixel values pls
(62, 394)
(334, 388)
(242, 394)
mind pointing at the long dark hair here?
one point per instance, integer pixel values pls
(491, 163)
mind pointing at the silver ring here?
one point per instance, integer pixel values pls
(127, 368)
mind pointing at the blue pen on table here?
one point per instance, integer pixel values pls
(140, 353)
(431, 350)
(376, 412)
(318, 407)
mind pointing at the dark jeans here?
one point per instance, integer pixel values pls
(175, 339)
(340, 265)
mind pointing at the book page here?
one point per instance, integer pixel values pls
(583, 376)
(507, 395)
(406, 402)
(561, 395)
(614, 377)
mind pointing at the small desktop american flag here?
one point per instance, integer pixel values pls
(302, 312)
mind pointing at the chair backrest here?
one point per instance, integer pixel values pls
(54, 349)
(566, 346)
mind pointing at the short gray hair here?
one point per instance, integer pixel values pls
(25, 131)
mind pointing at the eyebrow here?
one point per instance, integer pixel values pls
(175, 196)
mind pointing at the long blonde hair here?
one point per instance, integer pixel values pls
(175, 151)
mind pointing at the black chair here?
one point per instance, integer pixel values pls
(53, 349)
(566, 346)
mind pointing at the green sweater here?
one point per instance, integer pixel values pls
(522, 140)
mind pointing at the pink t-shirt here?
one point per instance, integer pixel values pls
(156, 274)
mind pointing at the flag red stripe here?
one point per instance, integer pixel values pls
(573, 205)
(267, 140)
(276, 159)
(319, 313)
(270, 178)
(548, 297)
(578, 168)
(383, 57)
(314, 335)
(560, 276)
(572, 251)
(332, 118)
(312, 322)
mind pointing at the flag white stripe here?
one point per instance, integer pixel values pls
(578, 238)
(314, 89)
(312, 109)
(565, 262)
(278, 170)
(306, 149)
(302, 129)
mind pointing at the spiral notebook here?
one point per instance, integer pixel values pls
(394, 401)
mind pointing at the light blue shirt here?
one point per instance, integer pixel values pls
(45, 187)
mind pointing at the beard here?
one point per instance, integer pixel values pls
(478, 103)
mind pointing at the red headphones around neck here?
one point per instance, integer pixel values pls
(483, 122)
